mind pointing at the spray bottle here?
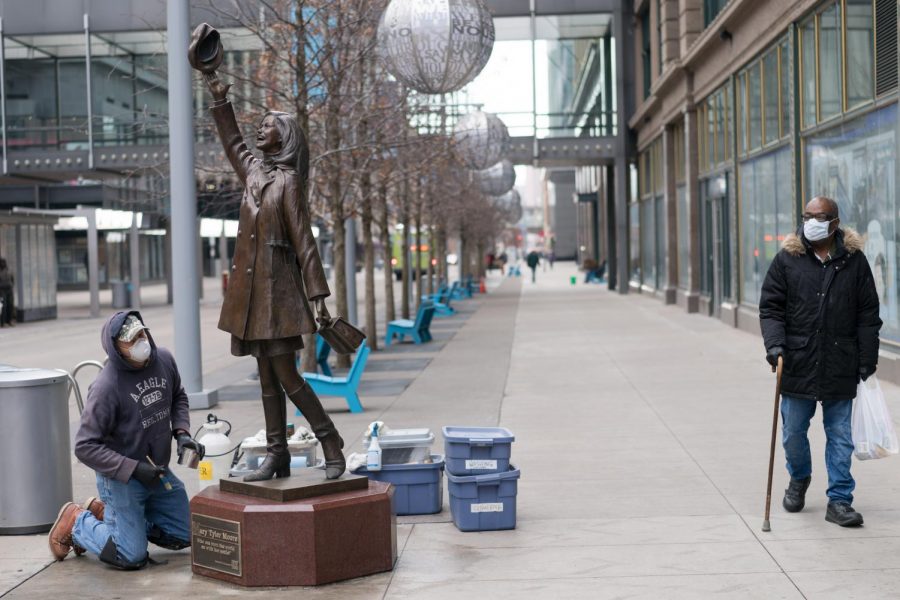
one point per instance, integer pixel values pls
(373, 462)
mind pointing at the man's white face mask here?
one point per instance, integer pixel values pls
(816, 230)
(140, 352)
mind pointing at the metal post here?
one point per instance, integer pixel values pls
(184, 208)
(350, 268)
(135, 255)
(93, 261)
(87, 70)
(624, 106)
(5, 165)
(535, 149)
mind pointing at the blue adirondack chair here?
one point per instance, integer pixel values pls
(348, 387)
(441, 303)
(456, 291)
(418, 330)
(322, 352)
(435, 297)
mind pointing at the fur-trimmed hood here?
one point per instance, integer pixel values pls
(794, 245)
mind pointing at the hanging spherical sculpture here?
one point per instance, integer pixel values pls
(507, 200)
(480, 139)
(515, 213)
(436, 46)
(497, 180)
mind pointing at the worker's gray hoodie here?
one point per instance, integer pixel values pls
(131, 412)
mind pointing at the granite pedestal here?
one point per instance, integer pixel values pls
(253, 540)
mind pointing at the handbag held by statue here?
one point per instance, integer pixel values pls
(343, 337)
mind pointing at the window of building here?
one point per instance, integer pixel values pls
(766, 216)
(860, 37)
(711, 9)
(830, 97)
(659, 35)
(684, 233)
(808, 72)
(855, 163)
(754, 101)
(645, 51)
(785, 79)
(742, 116)
(840, 52)
(634, 239)
(765, 87)
(771, 89)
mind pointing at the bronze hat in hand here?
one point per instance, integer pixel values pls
(205, 52)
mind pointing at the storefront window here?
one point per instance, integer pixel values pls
(860, 45)
(830, 63)
(648, 243)
(808, 72)
(660, 223)
(855, 164)
(766, 216)
(684, 232)
(634, 226)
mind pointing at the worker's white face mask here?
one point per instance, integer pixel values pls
(816, 230)
(140, 352)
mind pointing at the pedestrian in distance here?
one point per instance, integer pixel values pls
(819, 310)
(533, 260)
(134, 410)
(7, 282)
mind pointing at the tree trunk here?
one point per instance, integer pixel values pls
(431, 255)
(420, 281)
(405, 253)
(369, 257)
(387, 254)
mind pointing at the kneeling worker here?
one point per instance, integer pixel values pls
(133, 410)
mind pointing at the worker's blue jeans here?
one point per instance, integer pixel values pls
(133, 513)
(795, 417)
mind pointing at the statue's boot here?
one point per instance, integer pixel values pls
(278, 460)
(306, 400)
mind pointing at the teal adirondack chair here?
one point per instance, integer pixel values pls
(348, 387)
(419, 330)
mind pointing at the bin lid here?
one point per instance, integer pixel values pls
(15, 377)
(402, 438)
(468, 435)
(486, 479)
(437, 462)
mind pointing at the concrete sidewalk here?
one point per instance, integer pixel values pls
(642, 435)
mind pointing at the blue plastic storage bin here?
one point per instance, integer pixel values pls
(484, 502)
(477, 450)
(418, 487)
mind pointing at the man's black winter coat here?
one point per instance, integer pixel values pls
(825, 316)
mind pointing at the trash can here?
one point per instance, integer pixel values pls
(34, 444)
(121, 293)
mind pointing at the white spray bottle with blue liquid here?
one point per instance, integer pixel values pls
(373, 457)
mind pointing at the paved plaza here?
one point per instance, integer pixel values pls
(641, 434)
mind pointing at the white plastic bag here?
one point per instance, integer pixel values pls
(873, 430)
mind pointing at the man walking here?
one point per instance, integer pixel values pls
(819, 310)
(134, 409)
(533, 259)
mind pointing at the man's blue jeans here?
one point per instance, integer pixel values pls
(795, 417)
(131, 514)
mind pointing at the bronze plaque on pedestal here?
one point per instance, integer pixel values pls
(216, 544)
(304, 483)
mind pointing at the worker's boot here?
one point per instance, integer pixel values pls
(278, 460)
(96, 507)
(795, 495)
(306, 400)
(60, 537)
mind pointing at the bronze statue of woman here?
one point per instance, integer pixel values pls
(276, 270)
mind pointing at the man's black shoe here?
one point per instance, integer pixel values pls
(795, 495)
(843, 514)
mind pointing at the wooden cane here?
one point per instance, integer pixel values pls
(777, 370)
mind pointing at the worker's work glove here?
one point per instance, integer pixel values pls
(184, 440)
(772, 355)
(865, 373)
(147, 474)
